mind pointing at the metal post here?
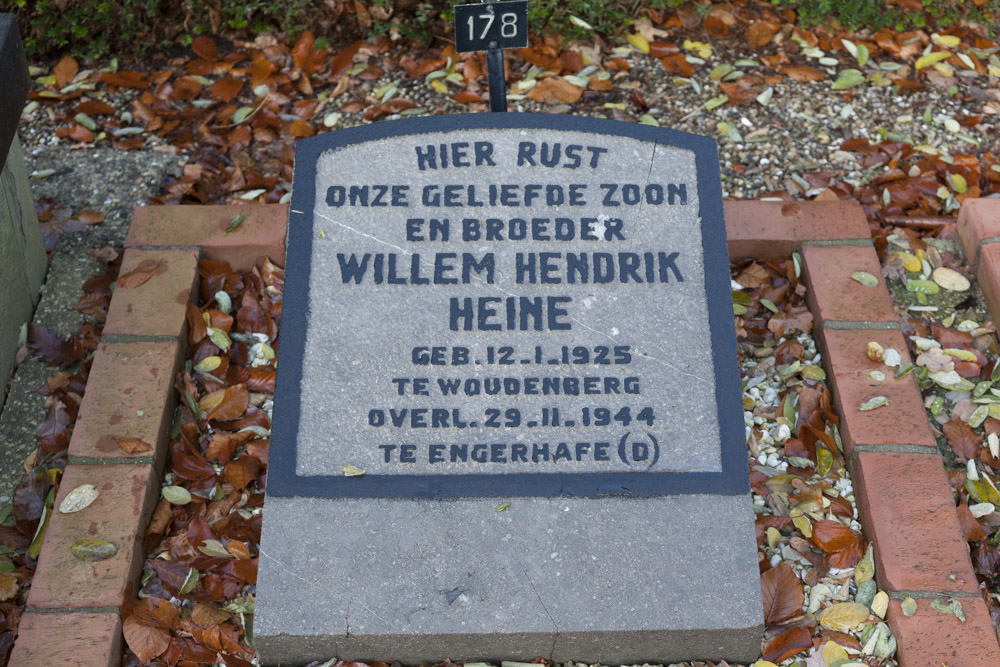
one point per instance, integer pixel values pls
(495, 74)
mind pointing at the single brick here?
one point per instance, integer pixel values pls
(157, 307)
(262, 231)
(906, 506)
(931, 638)
(988, 275)
(901, 422)
(978, 220)
(834, 295)
(127, 493)
(772, 230)
(129, 394)
(80, 639)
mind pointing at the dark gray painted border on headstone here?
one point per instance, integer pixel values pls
(14, 81)
(283, 480)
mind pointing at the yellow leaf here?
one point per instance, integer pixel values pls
(910, 261)
(639, 42)
(843, 616)
(701, 48)
(438, 85)
(211, 401)
(931, 58)
(208, 364)
(865, 570)
(832, 652)
(802, 523)
(944, 69)
(951, 41)
(958, 183)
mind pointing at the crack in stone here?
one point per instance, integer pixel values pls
(555, 635)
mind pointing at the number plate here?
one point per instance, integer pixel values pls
(502, 25)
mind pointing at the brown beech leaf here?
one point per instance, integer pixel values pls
(80, 133)
(205, 47)
(803, 73)
(222, 445)
(156, 613)
(962, 439)
(760, 33)
(242, 472)
(89, 217)
(225, 89)
(145, 642)
(343, 60)
(140, 274)
(741, 92)
(830, 535)
(555, 89)
(788, 644)
(95, 108)
(208, 613)
(134, 445)
(676, 63)
(125, 79)
(973, 530)
(65, 70)
(782, 593)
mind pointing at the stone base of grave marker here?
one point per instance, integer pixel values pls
(609, 580)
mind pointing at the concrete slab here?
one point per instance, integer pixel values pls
(609, 580)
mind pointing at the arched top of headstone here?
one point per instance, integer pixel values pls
(507, 305)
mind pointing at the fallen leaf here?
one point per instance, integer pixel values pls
(205, 47)
(782, 594)
(843, 616)
(140, 274)
(873, 403)
(79, 498)
(214, 549)
(352, 471)
(803, 73)
(830, 535)
(93, 550)
(207, 613)
(176, 495)
(65, 70)
(865, 278)
(909, 606)
(8, 587)
(962, 439)
(554, 89)
(786, 645)
(134, 445)
(760, 33)
(144, 641)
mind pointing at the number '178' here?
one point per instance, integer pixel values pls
(508, 24)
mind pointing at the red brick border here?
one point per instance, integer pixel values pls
(73, 606)
(901, 491)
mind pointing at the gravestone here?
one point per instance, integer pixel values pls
(22, 255)
(519, 327)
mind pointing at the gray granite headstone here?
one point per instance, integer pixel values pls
(519, 328)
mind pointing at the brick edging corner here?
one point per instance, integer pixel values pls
(919, 545)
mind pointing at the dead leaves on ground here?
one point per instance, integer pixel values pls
(203, 553)
(806, 522)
